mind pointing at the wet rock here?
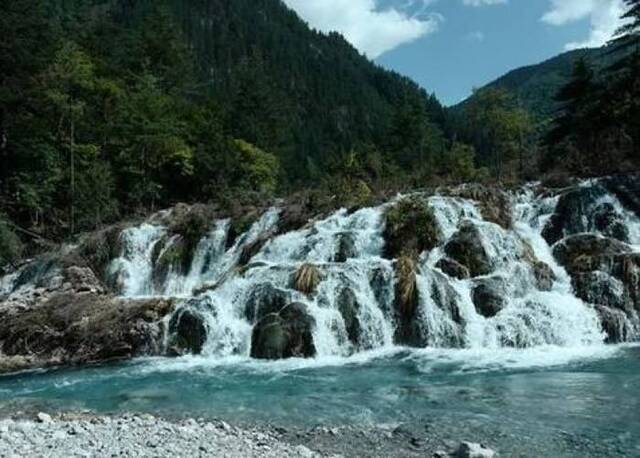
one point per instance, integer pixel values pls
(627, 189)
(70, 328)
(490, 296)
(381, 283)
(544, 275)
(410, 229)
(473, 450)
(466, 248)
(286, 334)
(188, 333)
(263, 300)
(581, 210)
(349, 308)
(252, 249)
(610, 223)
(586, 252)
(617, 326)
(346, 247)
(453, 268)
(44, 418)
(494, 203)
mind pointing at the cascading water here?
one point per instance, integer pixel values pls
(347, 249)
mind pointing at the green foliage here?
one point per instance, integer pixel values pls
(460, 162)
(258, 169)
(10, 245)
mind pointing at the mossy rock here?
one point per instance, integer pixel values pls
(410, 229)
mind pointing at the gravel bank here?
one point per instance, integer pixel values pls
(139, 436)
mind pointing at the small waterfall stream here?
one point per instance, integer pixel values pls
(347, 249)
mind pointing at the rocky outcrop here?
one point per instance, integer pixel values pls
(605, 273)
(626, 188)
(286, 334)
(582, 209)
(81, 328)
(467, 249)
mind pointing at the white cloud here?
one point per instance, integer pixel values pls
(604, 16)
(483, 2)
(372, 31)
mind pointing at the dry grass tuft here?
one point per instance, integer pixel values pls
(307, 279)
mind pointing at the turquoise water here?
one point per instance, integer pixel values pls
(540, 402)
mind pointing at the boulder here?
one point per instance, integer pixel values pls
(617, 325)
(349, 307)
(263, 300)
(71, 328)
(466, 248)
(490, 296)
(286, 334)
(187, 332)
(453, 268)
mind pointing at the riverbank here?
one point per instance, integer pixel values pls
(81, 435)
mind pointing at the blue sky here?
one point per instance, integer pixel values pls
(451, 46)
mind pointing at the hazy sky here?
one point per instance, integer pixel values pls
(451, 46)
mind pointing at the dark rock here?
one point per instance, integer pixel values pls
(616, 324)
(346, 247)
(285, 334)
(253, 248)
(263, 300)
(349, 308)
(490, 296)
(381, 283)
(465, 247)
(580, 210)
(544, 276)
(72, 328)
(627, 190)
(610, 223)
(453, 268)
(187, 332)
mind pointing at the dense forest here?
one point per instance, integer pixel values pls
(111, 108)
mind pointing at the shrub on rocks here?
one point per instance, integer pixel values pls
(410, 229)
(307, 278)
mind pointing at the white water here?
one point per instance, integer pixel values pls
(531, 318)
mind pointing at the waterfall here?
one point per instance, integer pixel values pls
(352, 308)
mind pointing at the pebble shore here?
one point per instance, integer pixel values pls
(138, 436)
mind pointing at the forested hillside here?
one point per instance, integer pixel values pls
(112, 106)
